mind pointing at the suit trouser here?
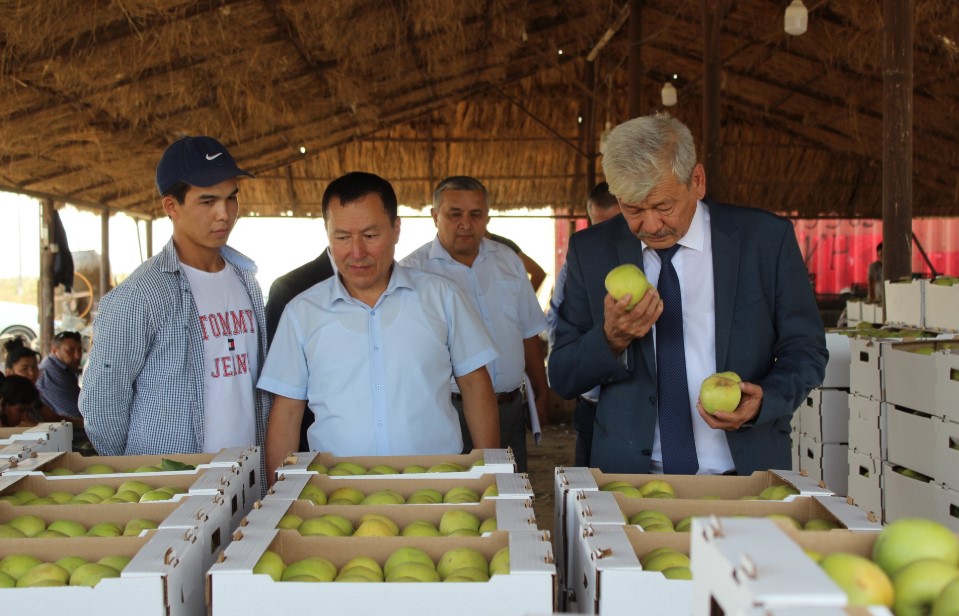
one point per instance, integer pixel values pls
(512, 429)
(584, 416)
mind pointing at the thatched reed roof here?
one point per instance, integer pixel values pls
(92, 91)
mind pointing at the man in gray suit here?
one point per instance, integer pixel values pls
(732, 294)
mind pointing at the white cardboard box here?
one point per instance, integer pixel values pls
(946, 469)
(837, 368)
(872, 313)
(941, 303)
(794, 436)
(741, 564)
(909, 377)
(911, 439)
(906, 497)
(234, 589)
(904, 302)
(864, 368)
(947, 507)
(493, 461)
(825, 415)
(853, 311)
(44, 437)
(865, 483)
(867, 426)
(947, 384)
(826, 462)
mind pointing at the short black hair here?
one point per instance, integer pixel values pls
(601, 197)
(178, 191)
(356, 185)
(18, 390)
(66, 335)
(878, 246)
(16, 349)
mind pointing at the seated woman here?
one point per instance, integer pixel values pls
(20, 360)
(17, 397)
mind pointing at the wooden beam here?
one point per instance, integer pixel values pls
(105, 274)
(47, 251)
(636, 73)
(713, 11)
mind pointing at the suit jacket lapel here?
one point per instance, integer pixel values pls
(726, 241)
(630, 250)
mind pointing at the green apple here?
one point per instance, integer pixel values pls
(24, 496)
(916, 586)
(490, 491)
(44, 574)
(358, 574)
(445, 467)
(90, 574)
(60, 471)
(649, 515)
(313, 494)
(426, 496)
(289, 521)
(394, 529)
(665, 561)
(719, 394)
(86, 497)
(384, 497)
(948, 600)
(70, 563)
(861, 579)
(421, 528)
(270, 564)
(924, 350)
(320, 527)
(406, 554)
(684, 525)
(364, 562)
(345, 525)
(612, 485)
(315, 567)
(464, 532)
(29, 525)
(60, 497)
(944, 281)
(147, 469)
(909, 539)
(375, 528)
(351, 467)
(9, 532)
(656, 485)
(43, 500)
(103, 491)
(6, 581)
(413, 572)
(455, 519)
(777, 492)
(656, 552)
(70, 528)
(155, 495)
(414, 469)
(347, 496)
(678, 573)
(787, 519)
(467, 574)
(814, 555)
(105, 529)
(382, 469)
(489, 525)
(820, 524)
(98, 469)
(499, 563)
(137, 487)
(117, 561)
(657, 527)
(49, 534)
(627, 279)
(134, 527)
(460, 495)
(316, 467)
(16, 565)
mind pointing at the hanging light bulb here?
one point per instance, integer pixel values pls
(797, 18)
(668, 95)
(604, 136)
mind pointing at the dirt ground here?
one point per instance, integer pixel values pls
(557, 448)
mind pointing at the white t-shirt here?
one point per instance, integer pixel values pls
(229, 354)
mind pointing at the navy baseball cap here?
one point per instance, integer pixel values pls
(198, 161)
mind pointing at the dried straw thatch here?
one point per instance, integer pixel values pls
(414, 90)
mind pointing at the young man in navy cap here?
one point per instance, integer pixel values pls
(178, 346)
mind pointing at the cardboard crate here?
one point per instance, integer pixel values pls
(905, 303)
(854, 310)
(947, 383)
(873, 313)
(492, 461)
(609, 578)
(867, 426)
(837, 368)
(946, 468)
(288, 487)
(911, 439)
(865, 483)
(740, 564)
(570, 481)
(164, 578)
(794, 436)
(941, 302)
(947, 506)
(865, 370)
(825, 462)
(910, 377)
(906, 497)
(825, 415)
(233, 588)
(511, 514)
(44, 437)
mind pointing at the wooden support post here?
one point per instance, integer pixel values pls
(149, 235)
(636, 72)
(105, 274)
(589, 122)
(897, 78)
(713, 11)
(47, 251)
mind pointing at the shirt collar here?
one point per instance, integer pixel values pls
(696, 235)
(53, 359)
(399, 279)
(169, 261)
(438, 252)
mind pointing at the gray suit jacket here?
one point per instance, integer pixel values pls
(768, 330)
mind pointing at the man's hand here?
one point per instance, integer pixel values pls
(749, 405)
(622, 327)
(542, 400)
(282, 433)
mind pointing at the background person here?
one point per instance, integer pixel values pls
(731, 295)
(59, 384)
(21, 360)
(874, 288)
(17, 399)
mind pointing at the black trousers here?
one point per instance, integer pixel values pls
(584, 416)
(512, 429)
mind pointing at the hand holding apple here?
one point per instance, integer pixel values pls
(749, 406)
(622, 325)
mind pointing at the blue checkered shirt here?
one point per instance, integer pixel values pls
(59, 387)
(143, 384)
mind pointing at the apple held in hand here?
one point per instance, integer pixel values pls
(720, 393)
(627, 279)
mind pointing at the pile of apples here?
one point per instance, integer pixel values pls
(132, 491)
(914, 569)
(345, 469)
(31, 526)
(453, 523)
(652, 521)
(105, 469)
(407, 564)
(673, 564)
(349, 495)
(659, 488)
(25, 570)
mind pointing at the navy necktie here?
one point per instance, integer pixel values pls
(675, 422)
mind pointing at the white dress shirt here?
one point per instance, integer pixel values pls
(694, 267)
(378, 379)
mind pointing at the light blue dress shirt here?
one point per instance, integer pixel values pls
(378, 379)
(499, 288)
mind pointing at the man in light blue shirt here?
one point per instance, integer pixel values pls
(372, 350)
(600, 207)
(493, 279)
